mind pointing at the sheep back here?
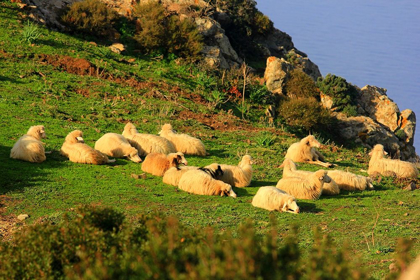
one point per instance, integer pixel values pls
(310, 188)
(173, 174)
(349, 181)
(182, 142)
(116, 145)
(199, 182)
(272, 198)
(28, 148)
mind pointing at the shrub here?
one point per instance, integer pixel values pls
(305, 113)
(165, 33)
(300, 85)
(342, 93)
(30, 32)
(90, 16)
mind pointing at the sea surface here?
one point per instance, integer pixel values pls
(373, 42)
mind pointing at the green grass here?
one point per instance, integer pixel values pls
(34, 92)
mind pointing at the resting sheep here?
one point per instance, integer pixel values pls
(174, 174)
(183, 142)
(29, 147)
(290, 170)
(349, 181)
(310, 188)
(238, 176)
(379, 164)
(115, 145)
(304, 151)
(147, 143)
(200, 182)
(157, 164)
(77, 151)
(272, 198)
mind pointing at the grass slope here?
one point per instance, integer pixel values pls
(67, 83)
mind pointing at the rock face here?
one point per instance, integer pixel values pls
(276, 73)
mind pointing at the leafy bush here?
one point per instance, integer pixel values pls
(300, 85)
(259, 94)
(165, 33)
(89, 16)
(305, 113)
(30, 32)
(342, 93)
(161, 248)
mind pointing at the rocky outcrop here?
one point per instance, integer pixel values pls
(276, 74)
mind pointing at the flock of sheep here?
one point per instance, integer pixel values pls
(164, 156)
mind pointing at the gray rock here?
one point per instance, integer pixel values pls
(276, 73)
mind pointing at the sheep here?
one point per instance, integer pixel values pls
(183, 142)
(77, 151)
(290, 170)
(174, 174)
(115, 145)
(157, 163)
(379, 164)
(238, 176)
(199, 182)
(412, 272)
(349, 181)
(304, 151)
(310, 188)
(272, 198)
(29, 147)
(147, 143)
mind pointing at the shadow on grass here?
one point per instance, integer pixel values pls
(305, 206)
(258, 184)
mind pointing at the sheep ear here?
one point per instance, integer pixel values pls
(321, 178)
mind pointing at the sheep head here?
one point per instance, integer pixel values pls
(133, 156)
(290, 206)
(177, 159)
(75, 136)
(379, 149)
(130, 128)
(311, 141)
(227, 190)
(37, 131)
(322, 176)
(247, 159)
(288, 163)
(166, 127)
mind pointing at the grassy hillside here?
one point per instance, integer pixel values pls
(68, 83)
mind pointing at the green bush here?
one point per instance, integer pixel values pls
(90, 16)
(306, 113)
(161, 248)
(300, 85)
(342, 93)
(161, 32)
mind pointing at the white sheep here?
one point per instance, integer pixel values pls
(305, 151)
(157, 164)
(290, 170)
(200, 182)
(115, 145)
(174, 174)
(77, 151)
(310, 188)
(412, 272)
(29, 147)
(272, 198)
(147, 143)
(379, 164)
(238, 176)
(349, 181)
(183, 142)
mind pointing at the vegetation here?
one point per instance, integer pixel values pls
(68, 83)
(342, 93)
(300, 85)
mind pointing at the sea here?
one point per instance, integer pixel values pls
(369, 42)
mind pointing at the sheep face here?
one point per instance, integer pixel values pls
(247, 159)
(181, 159)
(40, 131)
(133, 156)
(379, 149)
(166, 127)
(290, 206)
(227, 190)
(325, 179)
(75, 137)
(311, 141)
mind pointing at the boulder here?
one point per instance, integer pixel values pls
(276, 73)
(407, 123)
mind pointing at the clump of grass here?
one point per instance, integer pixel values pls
(31, 32)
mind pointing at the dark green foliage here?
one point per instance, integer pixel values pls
(300, 85)
(161, 248)
(306, 113)
(162, 32)
(342, 93)
(89, 16)
(401, 134)
(259, 94)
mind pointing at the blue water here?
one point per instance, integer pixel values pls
(374, 42)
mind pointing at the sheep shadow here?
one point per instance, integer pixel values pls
(350, 194)
(307, 207)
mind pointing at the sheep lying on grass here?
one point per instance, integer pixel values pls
(29, 147)
(379, 164)
(77, 151)
(147, 143)
(272, 198)
(115, 145)
(310, 188)
(290, 170)
(304, 151)
(157, 164)
(238, 176)
(349, 181)
(183, 142)
(174, 174)
(200, 182)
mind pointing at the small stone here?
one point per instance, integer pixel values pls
(411, 187)
(406, 214)
(22, 217)
(135, 176)
(143, 175)
(401, 203)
